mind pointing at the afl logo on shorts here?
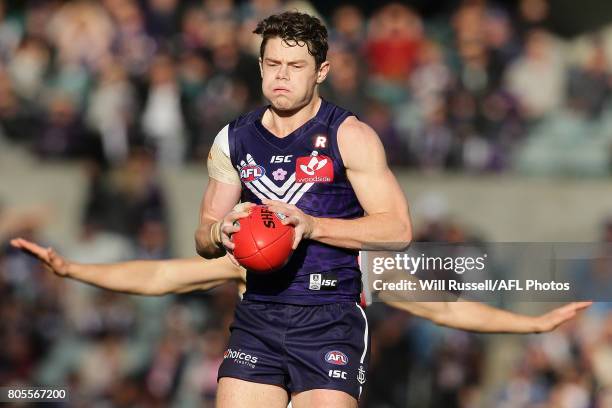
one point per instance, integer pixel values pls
(336, 357)
(251, 173)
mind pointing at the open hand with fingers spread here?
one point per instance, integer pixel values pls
(51, 259)
(553, 319)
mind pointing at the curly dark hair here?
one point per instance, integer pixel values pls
(294, 28)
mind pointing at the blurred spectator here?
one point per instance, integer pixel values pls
(431, 80)
(533, 14)
(102, 366)
(394, 38)
(10, 33)
(163, 18)
(590, 85)
(82, 33)
(432, 144)
(473, 72)
(600, 355)
(111, 111)
(131, 44)
(348, 29)
(468, 22)
(345, 83)
(233, 88)
(252, 12)
(537, 77)
(63, 134)
(457, 365)
(28, 68)
(152, 241)
(123, 201)
(162, 117)
(378, 115)
(16, 122)
(167, 364)
(200, 379)
(503, 46)
(196, 29)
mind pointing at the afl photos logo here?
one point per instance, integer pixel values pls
(251, 173)
(314, 169)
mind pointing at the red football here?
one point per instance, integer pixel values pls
(263, 243)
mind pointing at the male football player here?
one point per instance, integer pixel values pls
(326, 171)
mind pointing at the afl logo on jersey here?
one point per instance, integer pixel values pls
(336, 357)
(251, 173)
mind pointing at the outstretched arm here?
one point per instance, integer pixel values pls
(479, 317)
(140, 277)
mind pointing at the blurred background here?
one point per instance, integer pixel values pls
(496, 117)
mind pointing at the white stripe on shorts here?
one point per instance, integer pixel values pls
(365, 340)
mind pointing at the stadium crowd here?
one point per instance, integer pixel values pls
(485, 88)
(134, 85)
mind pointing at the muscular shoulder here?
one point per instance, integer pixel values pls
(358, 142)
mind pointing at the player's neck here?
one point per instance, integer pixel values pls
(282, 123)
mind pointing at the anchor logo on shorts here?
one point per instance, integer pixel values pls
(361, 375)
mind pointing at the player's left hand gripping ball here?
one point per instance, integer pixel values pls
(303, 223)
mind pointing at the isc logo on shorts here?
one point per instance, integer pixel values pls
(320, 281)
(337, 374)
(251, 172)
(336, 357)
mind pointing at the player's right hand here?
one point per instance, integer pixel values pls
(229, 226)
(50, 259)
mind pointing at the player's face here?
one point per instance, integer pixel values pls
(289, 74)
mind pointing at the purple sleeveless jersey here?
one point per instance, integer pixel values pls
(305, 169)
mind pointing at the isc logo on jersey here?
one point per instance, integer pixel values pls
(314, 169)
(251, 172)
(336, 357)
